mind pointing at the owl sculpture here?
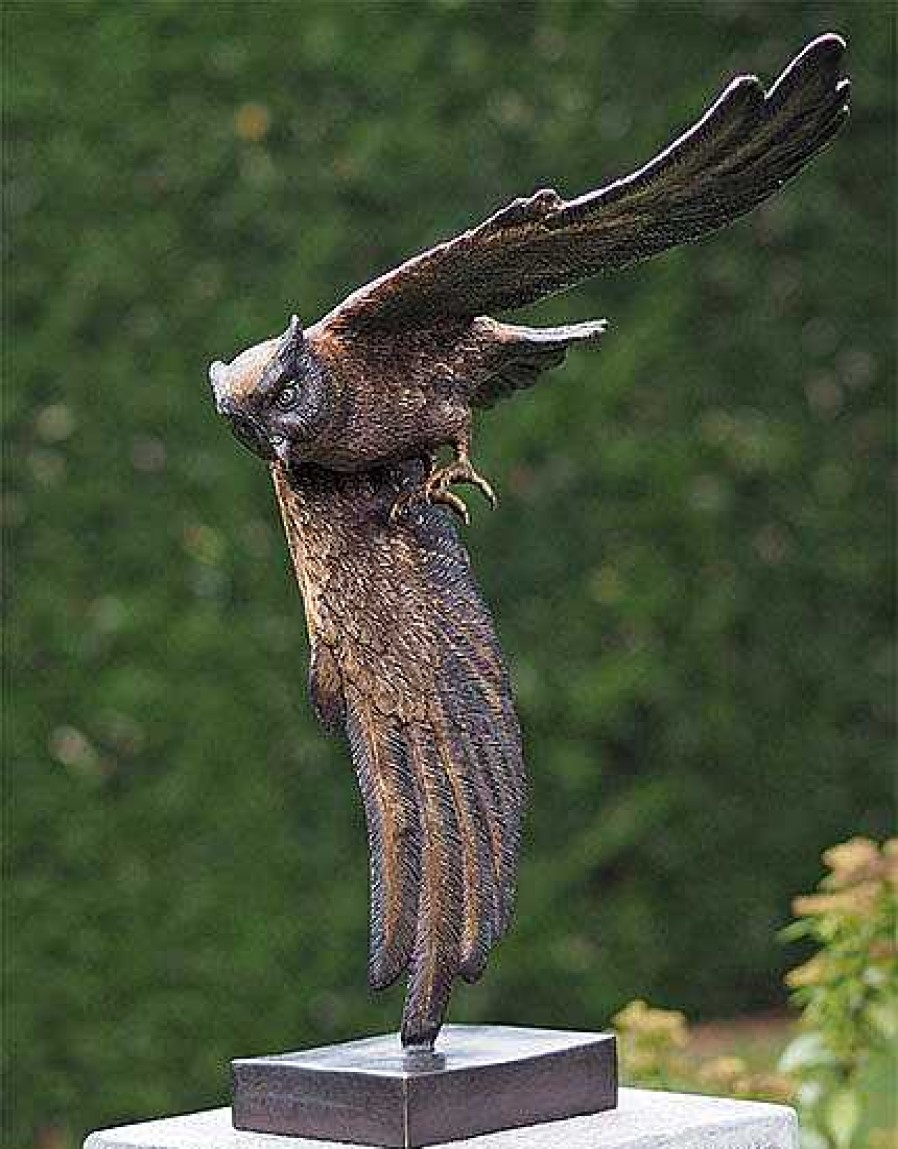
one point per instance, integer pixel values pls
(350, 415)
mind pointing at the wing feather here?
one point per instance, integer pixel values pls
(437, 953)
(392, 816)
(480, 879)
(406, 661)
(742, 150)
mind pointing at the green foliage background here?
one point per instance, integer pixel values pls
(690, 567)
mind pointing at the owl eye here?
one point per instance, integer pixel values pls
(286, 399)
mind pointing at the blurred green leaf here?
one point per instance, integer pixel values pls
(843, 1114)
(806, 1051)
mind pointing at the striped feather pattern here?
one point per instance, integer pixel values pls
(746, 146)
(406, 661)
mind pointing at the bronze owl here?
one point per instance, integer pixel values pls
(350, 415)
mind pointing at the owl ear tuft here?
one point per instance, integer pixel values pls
(292, 341)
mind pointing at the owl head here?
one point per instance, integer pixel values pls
(274, 395)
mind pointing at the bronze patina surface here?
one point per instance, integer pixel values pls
(350, 415)
(484, 1078)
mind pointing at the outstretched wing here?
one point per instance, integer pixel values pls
(745, 147)
(405, 660)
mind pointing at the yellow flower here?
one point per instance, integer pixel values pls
(765, 1087)
(251, 122)
(641, 1021)
(857, 860)
(815, 971)
(808, 905)
(722, 1073)
(853, 902)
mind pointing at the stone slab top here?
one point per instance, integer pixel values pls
(644, 1119)
(462, 1047)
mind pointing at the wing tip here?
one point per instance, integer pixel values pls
(385, 969)
(823, 52)
(821, 57)
(472, 967)
(826, 42)
(746, 81)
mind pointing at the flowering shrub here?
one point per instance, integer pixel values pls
(652, 1042)
(733, 1077)
(847, 992)
(657, 1052)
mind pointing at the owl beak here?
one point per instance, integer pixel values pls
(281, 447)
(250, 434)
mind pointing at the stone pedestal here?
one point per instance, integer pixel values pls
(644, 1119)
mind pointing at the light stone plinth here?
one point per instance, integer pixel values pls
(644, 1119)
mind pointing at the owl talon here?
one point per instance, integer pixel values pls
(401, 505)
(459, 471)
(441, 497)
(472, 478)
(435, 490)
(437, 497)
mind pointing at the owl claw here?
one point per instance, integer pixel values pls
(436, 497)
(435, 490)
(460, 471)
(403, 504)
(441, 497)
